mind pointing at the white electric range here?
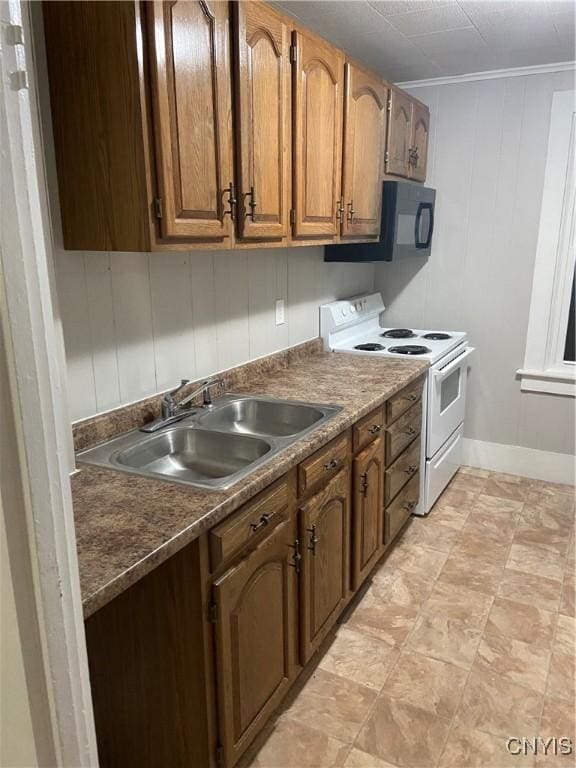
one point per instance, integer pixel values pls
(353, 326)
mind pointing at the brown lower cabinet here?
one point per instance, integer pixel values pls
(256, 632)
(368, 534)
(189, 663)
(325, 541)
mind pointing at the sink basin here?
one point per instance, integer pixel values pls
(255, 416)
(216, 447)
(193, 455)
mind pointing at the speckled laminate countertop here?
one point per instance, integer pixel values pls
(127, 525)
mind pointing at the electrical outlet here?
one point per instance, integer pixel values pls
(280, 312)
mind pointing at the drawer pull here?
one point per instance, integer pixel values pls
(262, 523)
(296, 557)
(374, 429)
(411, 398)
(332, 464)
(409, 506)
(313, 539)
(411, 469)
(410, 431)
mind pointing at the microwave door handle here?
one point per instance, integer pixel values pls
(443, 372)
(423, 243)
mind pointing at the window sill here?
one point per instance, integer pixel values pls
(552, 381)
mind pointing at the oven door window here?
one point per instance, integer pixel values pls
(450, 389)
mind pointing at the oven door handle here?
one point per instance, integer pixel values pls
(454, 364)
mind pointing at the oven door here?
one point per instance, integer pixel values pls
(446, 398)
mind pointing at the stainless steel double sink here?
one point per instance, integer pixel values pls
(213, 447)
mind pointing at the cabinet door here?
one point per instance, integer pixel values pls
(325, 544)
(420, 131)
(368, 512)
(399, 133)
(263, 112)
(192, 116)
(317, 136)
(256, 638)
(364, 139)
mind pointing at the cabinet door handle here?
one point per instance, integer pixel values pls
(296, 557)
(251, 203)
(409, 506)
(231, 190)
(411, 469)
(340, 209)
(313, 539)
(411, 398)
(374, 429)
(410, 431)
(332, 464)
(364, 484)
(351, 210)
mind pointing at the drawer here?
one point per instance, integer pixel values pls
(402, 432)
(253, 520)
(323, 464)
(399, 403)
(405, 467)
(367, 429)
(401, 508)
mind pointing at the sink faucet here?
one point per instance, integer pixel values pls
(173, 411)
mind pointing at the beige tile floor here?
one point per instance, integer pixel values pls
(464, 639)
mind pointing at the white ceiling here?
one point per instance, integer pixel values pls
(418, 39)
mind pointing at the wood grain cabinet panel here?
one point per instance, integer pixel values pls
(324, 537)
(365, 113)
(400, 402)
(403, 432)
(367, 429)
(262, 45)
(256, 639)
(419, 143)
(368, 515)
(399, 133)
(324, 464)
(404, 468)
(317, 136)
(398, 512)
(190, 68)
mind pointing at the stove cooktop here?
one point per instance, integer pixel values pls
(353, 326)
(371, 339)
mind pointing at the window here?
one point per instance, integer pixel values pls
(549, 363)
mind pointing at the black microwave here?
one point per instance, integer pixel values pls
(406, 228)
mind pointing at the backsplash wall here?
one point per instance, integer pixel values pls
(488, 149)
(135, 324)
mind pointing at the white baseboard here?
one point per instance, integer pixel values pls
(516, 460)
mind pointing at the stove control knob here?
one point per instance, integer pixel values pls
(352, 308)
(344, 311)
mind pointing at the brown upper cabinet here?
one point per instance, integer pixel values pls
(365, 115)
(317, 136)
(190, 66)
(205, 124)
(262, 49)
(407, 142)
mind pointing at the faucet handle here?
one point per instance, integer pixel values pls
(168, 404)
(177, 389)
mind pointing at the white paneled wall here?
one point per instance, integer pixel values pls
(135, 324)
(487, 157)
